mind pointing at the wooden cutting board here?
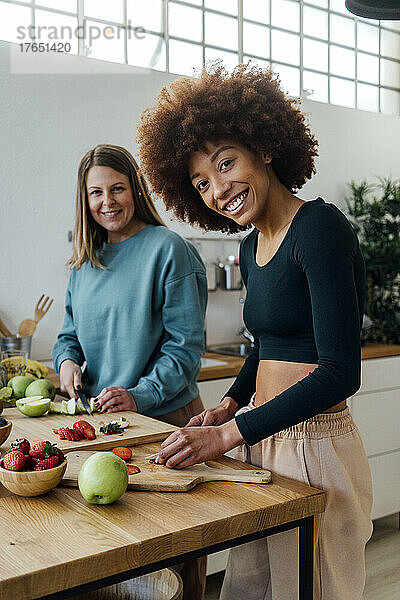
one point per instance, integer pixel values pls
(158, 478)
(141, 431)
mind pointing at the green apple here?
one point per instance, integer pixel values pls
(41, 387)
(59, 407)
(72, 408)
(64, 407)
(33, 407)
(79, 407)
(56, 407)
(19, 384)
(103, 478)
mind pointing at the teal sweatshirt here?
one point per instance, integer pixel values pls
(140, 322)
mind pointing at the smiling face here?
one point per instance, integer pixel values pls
(111, 203)
(232, 180)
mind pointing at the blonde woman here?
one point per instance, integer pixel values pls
(135, 305)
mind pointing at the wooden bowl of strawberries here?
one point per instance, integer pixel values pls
(5, 430)
(32, 471)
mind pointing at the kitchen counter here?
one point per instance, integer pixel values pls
(233, 364)
(231, 368)
(379, 351)
(58, 541)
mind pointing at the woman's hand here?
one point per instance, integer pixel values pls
(215, 416)
(193, 445)
(115, 399)
(70, 378)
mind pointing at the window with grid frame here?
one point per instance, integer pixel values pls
(320, 50)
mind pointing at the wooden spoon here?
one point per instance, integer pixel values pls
(27, 328)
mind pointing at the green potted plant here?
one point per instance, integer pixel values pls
(374, 211)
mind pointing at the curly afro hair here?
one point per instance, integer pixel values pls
(246, 106)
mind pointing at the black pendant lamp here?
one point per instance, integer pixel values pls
(375, 9)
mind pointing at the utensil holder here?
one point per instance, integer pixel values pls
(16, 346)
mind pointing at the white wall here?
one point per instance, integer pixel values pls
(47, 122)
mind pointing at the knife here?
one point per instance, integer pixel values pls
(85, 402)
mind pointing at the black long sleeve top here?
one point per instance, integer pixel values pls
(305, 305)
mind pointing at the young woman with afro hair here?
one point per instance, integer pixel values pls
(228, 152)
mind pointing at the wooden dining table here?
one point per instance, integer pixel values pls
(58, 545)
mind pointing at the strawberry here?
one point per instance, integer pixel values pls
(73, 435)
(29, 462)
(61, 432)
(122, 452)
(85, 429)
(60, 455)
(133, 469)
(14, 461)
(47, 463)
(66, 433)
(43, 450)
(78, 434)
(22, 445)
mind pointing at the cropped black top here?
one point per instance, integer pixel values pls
(305, 305)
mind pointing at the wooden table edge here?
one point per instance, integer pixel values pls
(96, 564)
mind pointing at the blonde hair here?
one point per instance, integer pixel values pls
(88, 236)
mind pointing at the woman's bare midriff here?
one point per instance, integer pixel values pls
(274, 377)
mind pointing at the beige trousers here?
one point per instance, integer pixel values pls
(193, 572)
(325, 452)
